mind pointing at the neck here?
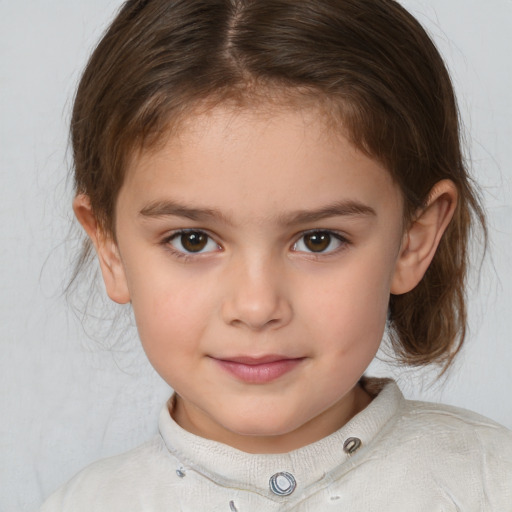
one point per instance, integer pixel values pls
(328, 422)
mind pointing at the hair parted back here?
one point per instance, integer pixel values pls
(369, 60)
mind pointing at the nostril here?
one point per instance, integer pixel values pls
(254, 324)
(257, 315)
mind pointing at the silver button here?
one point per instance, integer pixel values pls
(351, 445)
(282, 484)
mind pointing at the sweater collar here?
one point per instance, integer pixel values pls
(309, 466)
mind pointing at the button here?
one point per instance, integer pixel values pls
(351, 445)
(282, 484)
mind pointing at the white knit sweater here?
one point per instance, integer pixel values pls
(405, 457)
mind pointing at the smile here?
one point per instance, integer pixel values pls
(258, 370)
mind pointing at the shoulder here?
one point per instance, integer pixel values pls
(114, 482)
(455, 449)
(440, 457)
(445, 421)
(427, 422)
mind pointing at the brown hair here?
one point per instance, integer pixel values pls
(369, 58)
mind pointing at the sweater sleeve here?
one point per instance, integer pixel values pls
(496, 467)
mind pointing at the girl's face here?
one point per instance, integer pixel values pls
(259, 252)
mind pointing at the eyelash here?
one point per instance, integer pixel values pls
(342, 241)
(167, 242)
(333, 236)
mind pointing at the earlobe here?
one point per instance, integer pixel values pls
(422, 238)
(112, 268)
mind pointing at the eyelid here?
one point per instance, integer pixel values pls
(341, 238)
(184, 253)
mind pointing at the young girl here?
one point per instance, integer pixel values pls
(271, 184)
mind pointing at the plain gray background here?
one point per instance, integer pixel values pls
(65, 399)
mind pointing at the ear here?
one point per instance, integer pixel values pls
(111, 265)
(422, 238)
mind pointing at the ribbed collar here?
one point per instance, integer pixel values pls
(312, 466)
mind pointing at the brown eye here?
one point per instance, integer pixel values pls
(318, 242)
(193, 242)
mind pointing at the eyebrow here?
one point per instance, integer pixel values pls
(337, 209)
(172, 208)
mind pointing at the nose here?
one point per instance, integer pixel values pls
(256, 296)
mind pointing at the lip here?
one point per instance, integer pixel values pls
(258, 370)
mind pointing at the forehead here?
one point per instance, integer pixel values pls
(252, 104)
(272, 156)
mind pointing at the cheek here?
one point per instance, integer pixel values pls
(171, 316)
(352, 305)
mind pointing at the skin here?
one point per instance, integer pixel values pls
(255, 186)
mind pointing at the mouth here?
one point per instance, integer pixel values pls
(258, 370)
